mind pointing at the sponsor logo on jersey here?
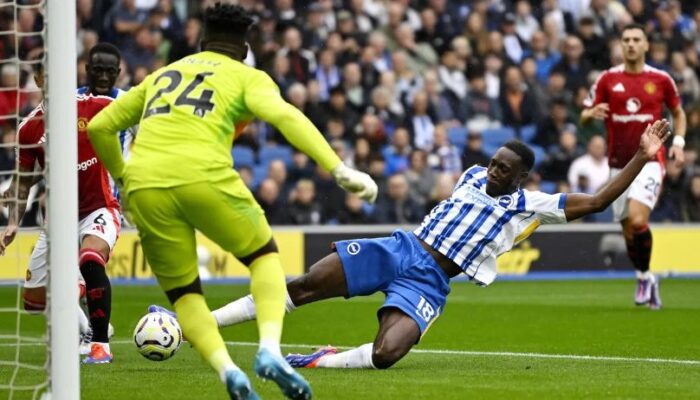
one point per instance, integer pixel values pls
(82, 124)
(633, 105)
(83, 166)
(353, 248)
(650, 87)
(618, 88)
(632, 118)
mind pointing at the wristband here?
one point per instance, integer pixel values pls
(679, 141)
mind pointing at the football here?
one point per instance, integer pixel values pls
(157, 336)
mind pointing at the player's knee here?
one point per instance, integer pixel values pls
(300, 290)
(638, 223)
(194, 287)
(34, 300)
(386, 355)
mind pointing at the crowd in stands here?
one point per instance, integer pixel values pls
(410, 91)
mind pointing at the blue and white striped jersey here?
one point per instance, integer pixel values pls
(472, 228)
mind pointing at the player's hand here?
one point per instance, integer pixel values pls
(355, 182)
(599, 111)
(677, 154)
(654, 137)
(8, 235)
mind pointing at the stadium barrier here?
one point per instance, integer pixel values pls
(567, 248)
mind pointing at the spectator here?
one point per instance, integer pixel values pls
(452, 76)
(397, 207)
(525, 23)
(128, 20)
(573, 65)
(301, 168)
(302, 62)
(590, 172)
(352, 85)
(556, 165)
(268, 196)
(314, 31)
(517, 102)
(7, 153)
(377, 168)
(362, 153)
(420, 124)
(420, 56)
(329, 195)
(429, 33)
(439, 105)
(382, 60)
(685, 77)
(354, 211)
(297, 95)
(371, 127)
(444, 156)
(164, 18)
(444, 185)
(369, 74)
(474, 152)
(492, 76)
(596, 47)
(303, 207)
(544, 58)
(381, 107)
(396, 154)
(668, 31)
(407, 81)
(478, 108)
(141, 54)
(549, 130)
(420, 177)
(337, 107)
(673, 196)
(691, 205)
(264, 40)
(277, 171)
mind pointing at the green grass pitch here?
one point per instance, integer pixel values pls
(527, 339)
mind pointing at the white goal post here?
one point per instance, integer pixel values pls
(64, 367)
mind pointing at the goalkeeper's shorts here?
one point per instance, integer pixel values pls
(167, 218)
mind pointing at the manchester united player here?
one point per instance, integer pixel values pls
(628, 97)
(98, 212)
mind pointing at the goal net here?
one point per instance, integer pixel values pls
(33, 343)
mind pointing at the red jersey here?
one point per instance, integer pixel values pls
(94, 188)
(635, 101)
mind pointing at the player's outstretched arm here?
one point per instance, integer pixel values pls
(103, 129)
(579, 204)
(263, 100)
(20, 186)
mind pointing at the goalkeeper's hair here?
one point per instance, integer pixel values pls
(527, 156)
(226, 22)
(105, 48)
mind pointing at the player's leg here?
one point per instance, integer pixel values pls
(641, 199)
(240, 227)
(34, 289)
(325, 280)
(168, 242)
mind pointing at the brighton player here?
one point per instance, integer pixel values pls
(98, 211)
(486, 215)
(179, 179)
(628, 97)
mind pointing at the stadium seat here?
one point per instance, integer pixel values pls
(496, 137)
(279, 152)
(548, 187)
(457, 136)
(527, 133)
(540, 154)
(259, 173)
(243, 156)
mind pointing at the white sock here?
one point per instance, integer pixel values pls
(242, 310)
(222, 373)
(359, 357)
(644, 275)
(83, 323)
(272, 346)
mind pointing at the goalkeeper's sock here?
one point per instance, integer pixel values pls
(99, 293)
(268, 287)
(242, 310)
(359, 357)
(199, 327)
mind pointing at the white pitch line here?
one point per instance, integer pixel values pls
(466, 353)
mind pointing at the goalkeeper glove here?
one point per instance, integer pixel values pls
(355, 182)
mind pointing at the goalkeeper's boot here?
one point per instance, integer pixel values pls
(309, 360)
(643, 292)
(156, 308)
(98, 355)
(275, 368)
(238, 386)
(655, 297)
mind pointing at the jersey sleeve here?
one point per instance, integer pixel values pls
(548, 208)
(262, 98)
(597, 94)
(27, 148)
(104, 128)
(671, 96)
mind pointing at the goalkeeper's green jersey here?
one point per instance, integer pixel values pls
(188, 114)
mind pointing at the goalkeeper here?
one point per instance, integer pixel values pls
(179, 179)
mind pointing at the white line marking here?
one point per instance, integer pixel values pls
(464, 353)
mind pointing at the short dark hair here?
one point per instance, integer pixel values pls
(527, 156)
(225, 22)
(631, 26)
(105, 48)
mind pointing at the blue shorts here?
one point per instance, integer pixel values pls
(399, 267)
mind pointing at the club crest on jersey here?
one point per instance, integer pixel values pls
(353, 248)
(633, 105)
(82, 124)
(650, 87)
(505, 201)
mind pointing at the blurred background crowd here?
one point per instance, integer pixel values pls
(410, 91)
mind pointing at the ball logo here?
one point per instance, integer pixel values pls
(505, 201)
(353, 248)
(633, 105)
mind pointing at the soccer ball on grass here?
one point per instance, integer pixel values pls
(157, 336)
